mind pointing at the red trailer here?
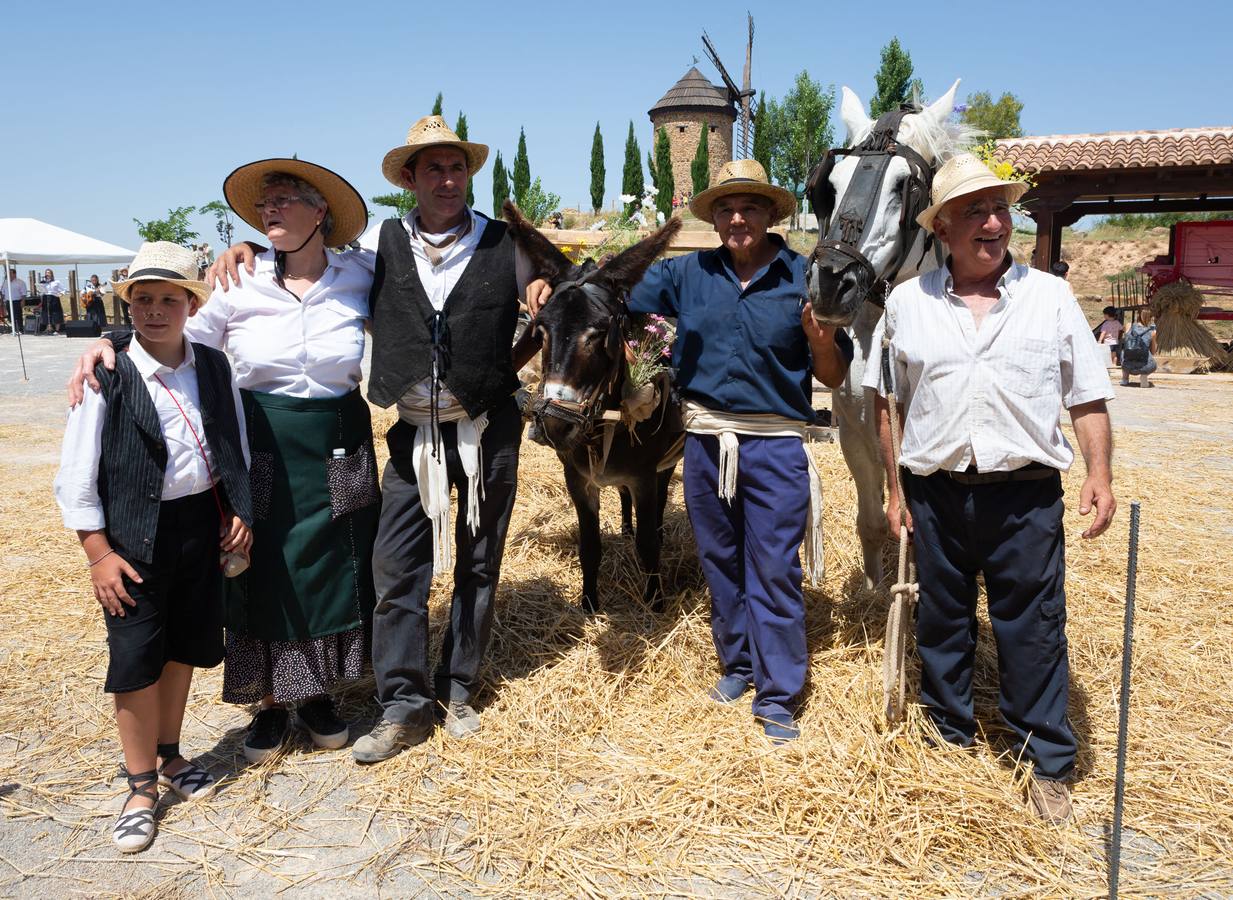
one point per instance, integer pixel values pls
(1202, 253)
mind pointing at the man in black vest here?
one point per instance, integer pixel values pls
(444, 305)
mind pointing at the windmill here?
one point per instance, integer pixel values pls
(740, 96)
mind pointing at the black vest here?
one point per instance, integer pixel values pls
(134, 457)
(480, 315)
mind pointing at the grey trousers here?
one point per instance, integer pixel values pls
(402, 571)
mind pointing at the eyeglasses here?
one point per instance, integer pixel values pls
(280, 202)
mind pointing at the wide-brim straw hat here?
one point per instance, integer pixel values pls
(164, 261)
(743, 176)
(960, 175)
(243, 191)
(430, 131)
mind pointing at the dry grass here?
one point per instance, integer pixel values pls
(600, 771)
(1178, 331)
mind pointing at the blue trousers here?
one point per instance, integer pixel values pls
(750, 555)
(1012, 532)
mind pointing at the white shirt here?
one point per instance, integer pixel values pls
(14, 289)
(280, 344)
(51, 287)
(186, 474)
(992, 397)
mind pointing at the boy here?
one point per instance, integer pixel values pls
(154, 478)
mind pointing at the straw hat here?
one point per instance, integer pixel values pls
(164, 261)
(430, 131)
(243, 191)
(743, 176)
(960, 175)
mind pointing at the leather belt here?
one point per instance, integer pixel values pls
(1030, 472)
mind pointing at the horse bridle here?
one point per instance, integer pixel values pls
(588, 412)
(841, 234)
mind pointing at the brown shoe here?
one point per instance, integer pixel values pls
(1049, 800)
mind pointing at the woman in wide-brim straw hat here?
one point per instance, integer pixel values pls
(746, 352)
(298, 619)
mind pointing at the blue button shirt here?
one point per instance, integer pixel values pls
(737, 350)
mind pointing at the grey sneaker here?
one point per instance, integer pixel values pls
(1049, 800)
(461, 721)
(387, 739)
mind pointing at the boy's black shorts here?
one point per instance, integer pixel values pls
(179, 611)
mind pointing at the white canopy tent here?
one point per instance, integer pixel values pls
(31, 242)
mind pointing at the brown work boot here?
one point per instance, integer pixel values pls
(1049, 800)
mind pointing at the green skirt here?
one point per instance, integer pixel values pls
(316, 502)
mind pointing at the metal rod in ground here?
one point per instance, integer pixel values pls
(1128, 632)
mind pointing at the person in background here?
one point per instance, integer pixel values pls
(1109, 333)
(14, 292)
(52, 312)
(1139, 350)
(1060, 269)
(92, 297)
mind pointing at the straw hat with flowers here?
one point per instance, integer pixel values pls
(164, 261)
(961, 175)
(743, 176)
(430, 131)
(243, 190)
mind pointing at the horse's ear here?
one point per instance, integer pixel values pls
(852, 112)
(546, 260)
(939, 110)
(627, 268)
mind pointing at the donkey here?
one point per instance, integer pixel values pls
(866, 197)
(583, 333)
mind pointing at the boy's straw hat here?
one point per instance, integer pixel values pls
(164, 261)
(430, 131)
(743, 176)
(243, 191)
(960, 175)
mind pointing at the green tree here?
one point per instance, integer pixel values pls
(537, 204)
(803, 124)
(597, 171)
(401, 202)
(631, 175)
(522, 169)
(652, 169)
(460, 129)
(664, 181)
(996, 120)
(894, 79)
(500, 186)
(764, 133)
(700, 168)
(224, 224)
(174, 228)
(436, 106)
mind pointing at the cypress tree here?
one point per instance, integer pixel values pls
(631, 176)
(894, 79)
(597, 171)
(764, 134)
(460, 129)
(664, 180)
(700, 168)
(436, 106)
(522, 169)
(500, 186)
(652, 169)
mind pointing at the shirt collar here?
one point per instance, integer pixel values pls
(148, 366)
(1008, 282)
(783, 256)
(265, 261)
(411, 221)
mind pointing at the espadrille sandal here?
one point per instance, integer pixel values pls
(135, 829)
(190, 783)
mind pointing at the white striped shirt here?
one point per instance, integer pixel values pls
(991, 397)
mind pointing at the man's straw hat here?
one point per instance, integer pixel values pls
(961, 175)
(743, 176)
(243, 191)
(430, 131)
(164, 261)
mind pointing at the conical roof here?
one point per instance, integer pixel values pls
(694, 92)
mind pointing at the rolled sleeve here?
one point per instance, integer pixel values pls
(1084, 376)
(76, 483)
(658, 291)
(873, 366)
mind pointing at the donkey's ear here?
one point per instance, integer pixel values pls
(627, 268)
(546, 260)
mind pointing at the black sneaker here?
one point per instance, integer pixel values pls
(266, 734)
(317, 717)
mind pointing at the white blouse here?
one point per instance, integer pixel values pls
(280, 344)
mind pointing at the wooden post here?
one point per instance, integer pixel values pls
(1044, 237)
(73, 294)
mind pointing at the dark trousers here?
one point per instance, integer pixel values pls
(402, 571)
(96, 313)
(749, 550)
(15, 314)
(1012, 532)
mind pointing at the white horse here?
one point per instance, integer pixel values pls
(838, 290)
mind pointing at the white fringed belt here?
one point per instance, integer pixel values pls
(726, 426)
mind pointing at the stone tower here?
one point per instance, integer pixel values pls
(692, 104)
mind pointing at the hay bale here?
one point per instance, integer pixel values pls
(1179, 333)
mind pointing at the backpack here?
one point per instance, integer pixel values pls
(1136, 347)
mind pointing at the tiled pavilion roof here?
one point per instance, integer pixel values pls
(1120, 150)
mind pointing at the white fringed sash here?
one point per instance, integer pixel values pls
(432, 477)
(726, 426)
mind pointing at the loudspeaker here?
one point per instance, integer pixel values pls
(83, 329)
(31, 326)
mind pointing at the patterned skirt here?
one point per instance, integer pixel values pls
(291, 671)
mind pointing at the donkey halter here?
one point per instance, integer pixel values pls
(843, 233)
(588, 412)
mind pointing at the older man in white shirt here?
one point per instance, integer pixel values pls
(13, 292)
(983, 354)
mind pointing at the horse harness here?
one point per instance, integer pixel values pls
(843, 233)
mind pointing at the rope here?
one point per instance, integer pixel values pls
(905, 592)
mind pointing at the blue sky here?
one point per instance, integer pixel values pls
(125, 109)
